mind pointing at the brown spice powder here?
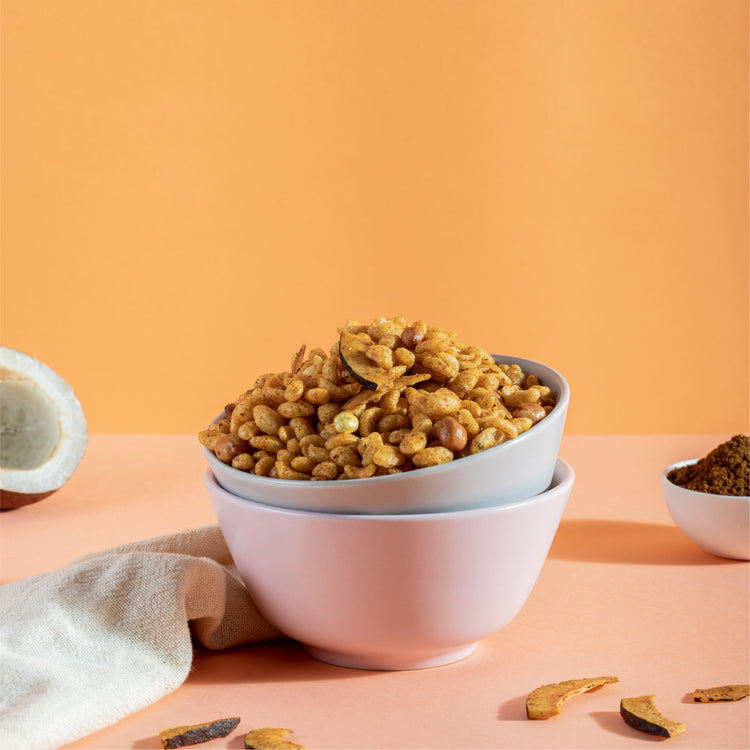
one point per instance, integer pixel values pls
(724, 471)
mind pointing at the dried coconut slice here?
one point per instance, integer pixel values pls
(721, 693)
(353, 349)
(270, 738)
(641, 714)
(193, 734)
(546, 701)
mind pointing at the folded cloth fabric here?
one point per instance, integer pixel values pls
(83, 646)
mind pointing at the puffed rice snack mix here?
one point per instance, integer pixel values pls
(395, 417)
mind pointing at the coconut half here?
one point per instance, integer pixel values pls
(42, 430)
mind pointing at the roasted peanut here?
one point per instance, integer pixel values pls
(451, 434)
(228, 447)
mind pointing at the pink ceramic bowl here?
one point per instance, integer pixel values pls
(391, 591)
(514, 470)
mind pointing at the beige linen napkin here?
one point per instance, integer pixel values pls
(83, 646)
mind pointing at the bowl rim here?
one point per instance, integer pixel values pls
(561, 406)
(710, 496)
(562, 482)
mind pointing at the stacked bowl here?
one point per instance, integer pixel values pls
(404, 571)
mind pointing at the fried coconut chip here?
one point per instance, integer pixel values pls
(546, 701)
(721, 693)
(641, 714)
(270, 739)
(353, 349)
(195, 733)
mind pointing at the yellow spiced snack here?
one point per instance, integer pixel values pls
(721, 693)
(642, 714)
(546, 701)
(270, 738)
(386, 397)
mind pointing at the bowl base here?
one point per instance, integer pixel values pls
(391, 662)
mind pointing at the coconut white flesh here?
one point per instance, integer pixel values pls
(42, 426)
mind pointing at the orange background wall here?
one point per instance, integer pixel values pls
(193, 188)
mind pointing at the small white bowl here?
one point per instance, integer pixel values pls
(719, 524)
(509, 472)
(391, 591)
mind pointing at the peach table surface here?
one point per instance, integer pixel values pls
(623, 592)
